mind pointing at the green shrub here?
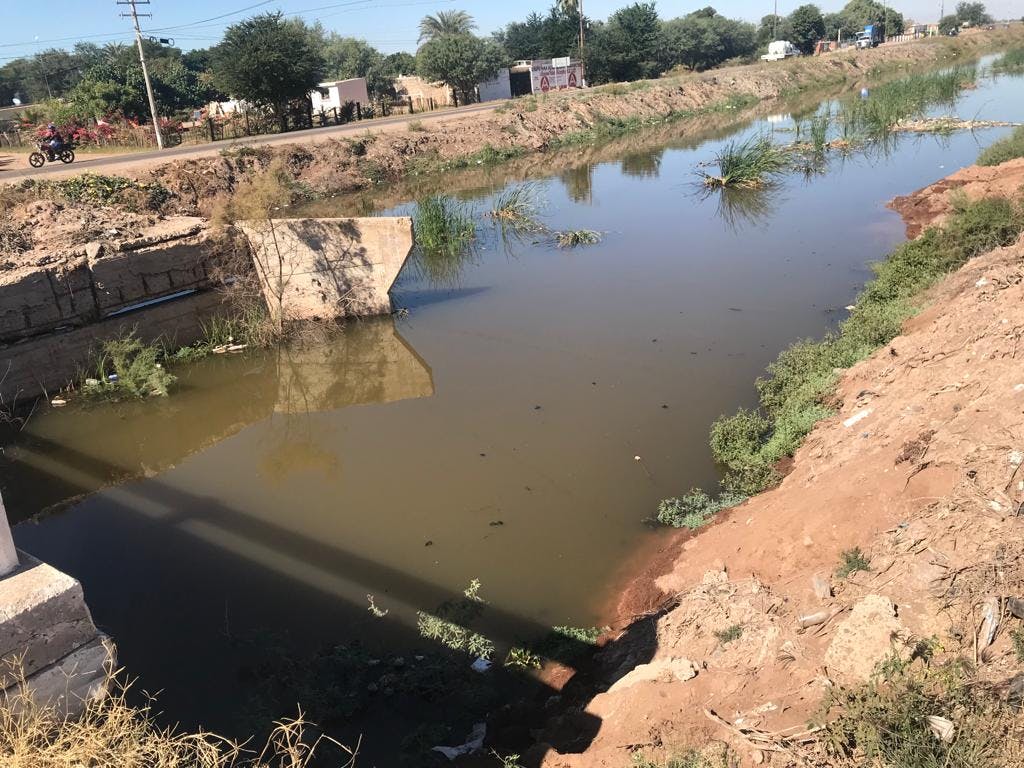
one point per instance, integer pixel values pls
(736, 439)
(99, 189)
(884, 722)
(128, 368)
(695, 509)
(444, 233)
(566, 644)
(1011, 61)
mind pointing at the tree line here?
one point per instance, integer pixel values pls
(272, 60)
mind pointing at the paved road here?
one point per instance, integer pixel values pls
(17, 166)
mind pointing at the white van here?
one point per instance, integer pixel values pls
(780, 49)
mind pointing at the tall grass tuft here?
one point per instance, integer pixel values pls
(111, 732)
(518, 207)
(747, 164)
(445, 232)
(575, 237)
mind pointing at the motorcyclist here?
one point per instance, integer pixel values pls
(52, 140)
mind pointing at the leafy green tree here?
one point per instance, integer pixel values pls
(948, 23)
(446, 24)
(806, 27)
(974, 14)
(270, 62)
(461, 62)
(701, 40)
(544, 37)
(630, 46)
(833, 25)
(859, 13)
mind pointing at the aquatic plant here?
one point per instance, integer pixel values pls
(518, 207)
(126, 367)
(448, 624)
(1011, 61)
(1004, 150)
(523, 658)
(444, 232)
(574, 237)
(695, 509)
(794, 391)
(567, 644)
(747, 164)
(852, 561)
(898, 100)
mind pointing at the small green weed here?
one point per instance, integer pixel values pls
(448, 624)
(518, 207)
(852, 561)
(690, 758)
(523, 658)
(1017, 638)
(729, 634)
(444, 233)
(99, 189)
(566, 644)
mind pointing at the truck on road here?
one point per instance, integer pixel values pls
(870, 37)
(780, 49)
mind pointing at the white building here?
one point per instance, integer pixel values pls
(339, 93)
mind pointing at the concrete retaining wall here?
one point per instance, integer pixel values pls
(324, 269)
(100, 279)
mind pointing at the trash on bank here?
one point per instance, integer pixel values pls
(481, 665)
(943, 729)
(474, 743)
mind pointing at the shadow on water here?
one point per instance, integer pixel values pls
(211, 604)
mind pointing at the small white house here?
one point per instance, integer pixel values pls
(336, 94)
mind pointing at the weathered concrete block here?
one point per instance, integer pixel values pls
(152, 267)
(71, 682)
(43, 618)
(329, 268)
(40, 300)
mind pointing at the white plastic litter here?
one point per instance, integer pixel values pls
(856, 417)
(481, 665)
(474, 743)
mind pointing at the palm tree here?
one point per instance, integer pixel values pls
(446, 23)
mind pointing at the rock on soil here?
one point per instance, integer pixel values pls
(866, 637)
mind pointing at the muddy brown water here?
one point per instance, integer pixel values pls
(516, 425)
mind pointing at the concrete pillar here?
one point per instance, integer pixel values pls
(8, 554)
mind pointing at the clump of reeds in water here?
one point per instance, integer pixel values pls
(444, 233)
(747, 164)
(518, 207)
(892, 102)
(575, 237)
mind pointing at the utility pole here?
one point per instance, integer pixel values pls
(579, 9)
(775, 21)
(142, 60)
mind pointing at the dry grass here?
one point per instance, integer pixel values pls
(112, 733)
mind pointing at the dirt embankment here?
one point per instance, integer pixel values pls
(921, 468)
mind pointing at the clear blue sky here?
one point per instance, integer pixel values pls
(390, 25)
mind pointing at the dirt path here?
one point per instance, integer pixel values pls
(16, 167)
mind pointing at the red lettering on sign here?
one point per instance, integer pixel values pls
(545, 84)
(572, 79)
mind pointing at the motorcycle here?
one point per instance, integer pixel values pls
(44, 153)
